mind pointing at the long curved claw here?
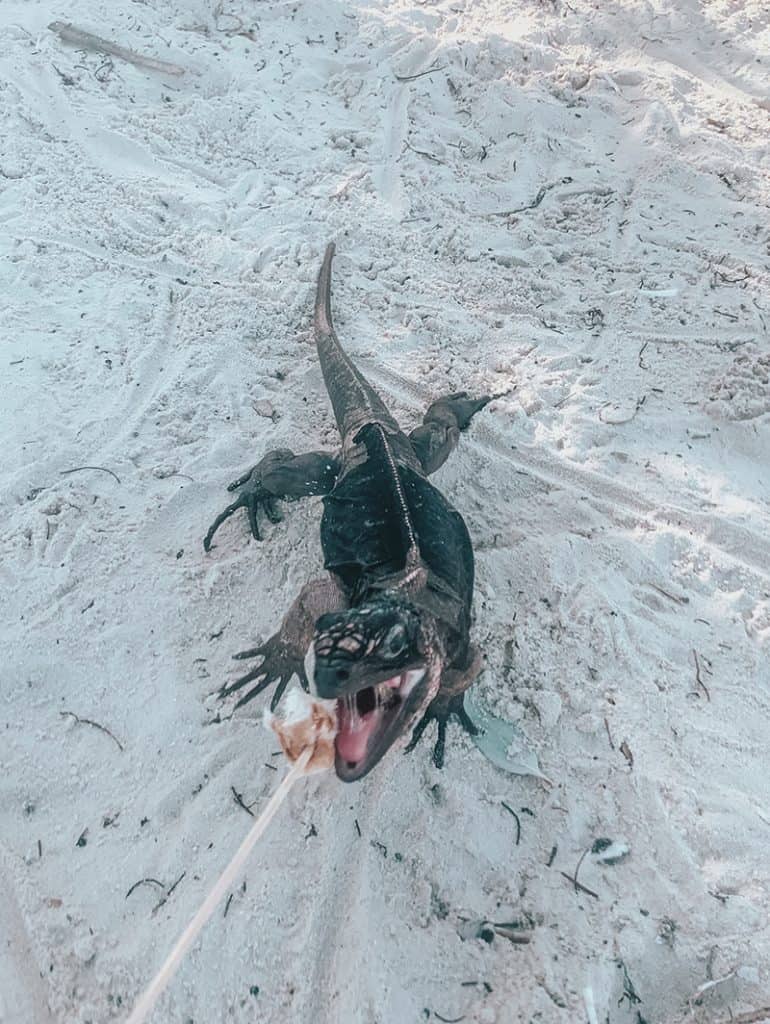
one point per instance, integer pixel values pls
(271, 510)
(238, 503)
(417, 732)
(442, 713)
(279, 692)
(253, 653)
(251, 507)
(278, 665)
(440, 747)
(255, 673)
(254, 692)
(253, 497)
(251, 501)
(465, 721)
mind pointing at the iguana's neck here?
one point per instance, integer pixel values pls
(425, 590)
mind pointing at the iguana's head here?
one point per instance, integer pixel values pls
(381, 662)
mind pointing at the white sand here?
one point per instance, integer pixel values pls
(160, 239)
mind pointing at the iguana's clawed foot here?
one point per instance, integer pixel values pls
(465, 408)
(441, 710)
(278, 665)
(253, 496)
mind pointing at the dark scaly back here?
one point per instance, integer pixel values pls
(354, 400)
(385, 527)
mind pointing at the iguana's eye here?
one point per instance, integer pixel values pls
(394, 642)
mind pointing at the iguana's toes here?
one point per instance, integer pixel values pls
(441, 715)
(279, 692)
(218, 522)
(255, 673)
(465, 720)
(241, 480)
(252, 504)
(440, 747)
(417, 732)
(271, 509)
(253, 692)
(254, 652)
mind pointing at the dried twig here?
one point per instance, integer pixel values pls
(176, 883)
(95, 725)
(579, 885)
(579, 863)
(643, 365)
(671, 597)
(421, 152)
(541, 194)
(165, 898)
(698, 675)
(239, 800)
(71, 34)
(227, 905)
(609, 734)
(516, 818)
(729, 316)
(733, 280)
(629, 992)
(66, 79)
(619, 423)
(552, 856)
(420, 74)
(144, 881)
(78, 469)
(551, 327)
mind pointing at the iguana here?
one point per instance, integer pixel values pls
(386, 634)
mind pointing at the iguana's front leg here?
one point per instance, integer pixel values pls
(283, 655)
(447, 702)
(280, 475)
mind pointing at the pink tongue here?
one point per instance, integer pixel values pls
(351, 746)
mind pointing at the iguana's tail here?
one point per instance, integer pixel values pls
(323, 298)
(354, 400)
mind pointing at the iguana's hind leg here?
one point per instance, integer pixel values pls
(448, 702)
(441, 426)
(279, 475)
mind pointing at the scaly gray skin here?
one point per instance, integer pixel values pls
(387, 632)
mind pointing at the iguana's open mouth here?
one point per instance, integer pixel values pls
(369, 720)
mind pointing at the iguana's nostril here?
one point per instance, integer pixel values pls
(342, 675)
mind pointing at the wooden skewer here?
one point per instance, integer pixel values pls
(154, 990)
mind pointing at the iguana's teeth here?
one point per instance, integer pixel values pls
(310, 669)
(410, 680)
